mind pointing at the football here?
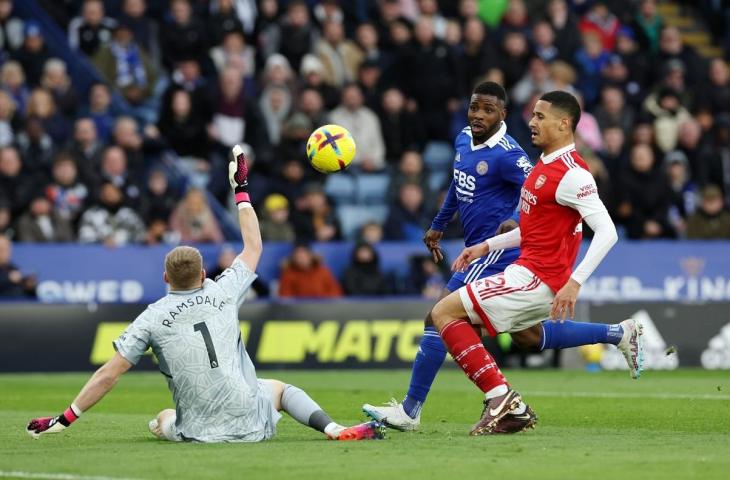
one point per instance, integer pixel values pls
(330, 148)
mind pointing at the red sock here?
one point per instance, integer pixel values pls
(467, 350)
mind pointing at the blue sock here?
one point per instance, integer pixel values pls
(573, 334)
(430, 357)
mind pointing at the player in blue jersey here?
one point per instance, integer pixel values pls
(489, 170)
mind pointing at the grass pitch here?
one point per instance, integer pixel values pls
(666, 425)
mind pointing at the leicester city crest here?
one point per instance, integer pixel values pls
(540, 182)
(482, 167)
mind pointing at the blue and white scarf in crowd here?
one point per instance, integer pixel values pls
(130, 69)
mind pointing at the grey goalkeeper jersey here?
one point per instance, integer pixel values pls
(196, 338)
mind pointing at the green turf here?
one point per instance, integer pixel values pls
(666, 425)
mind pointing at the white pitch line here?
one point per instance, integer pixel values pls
(54, 476)
(660, 396)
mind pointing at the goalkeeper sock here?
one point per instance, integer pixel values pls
(430, 357)
(573, 334)
(303, 409)
(71, 414)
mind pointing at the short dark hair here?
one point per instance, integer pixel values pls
(565, 102)
(491, 88)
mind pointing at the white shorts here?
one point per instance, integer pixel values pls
(510, 301)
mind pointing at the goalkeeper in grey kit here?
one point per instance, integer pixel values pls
(194, 333)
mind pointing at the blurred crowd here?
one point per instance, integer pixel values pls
(139, 156)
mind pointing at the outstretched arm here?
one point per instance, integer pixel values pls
(100, 383)
(249, 222)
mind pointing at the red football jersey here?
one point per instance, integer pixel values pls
(555, 196)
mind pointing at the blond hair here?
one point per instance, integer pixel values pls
(183, 266)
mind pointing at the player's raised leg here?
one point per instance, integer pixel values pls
(303, 409)
(469, 353)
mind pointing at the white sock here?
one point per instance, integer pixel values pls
(521, 408)
(497, 391)
(333, 429)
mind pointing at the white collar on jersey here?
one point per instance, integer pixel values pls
(553, 156)
(492, 141)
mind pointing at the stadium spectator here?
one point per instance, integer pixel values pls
(601, 21)
(100, 109)
(644, 196)
(648, 25)
(363, 276)
(340, 57)
(42, 107)
(183, 36)
(225, 258)
(637, 73)
(408, 219)
(714, 161)
(275, 225)
(233, 52)
(67, 194)
(402, 130)
(86, 147)
(41, 223)
(368, 79)
(364, 126)
(311, 104)
(613, 154)
(110, 222)
(128, 67)
(370, 233)
(158, 198)
(294, 134)
(188, 76)
(693, 144)
(565, 26)
(591, 58)
(543, 42)
(275, 105)
(684, 196)
(668, 114)
(304, 275)
(715, 96)
(194, 220)
(185, 131)
(6, 224)
(410, 170)
(56, 80)
(312, 72)
(13, 284)
(425, 278)
(612, 110)
(36, 147)
(114, 169)
(366, 36)
(143, 27)
(142, 148)
(33, 54)
(535, 80)
(671, 47)
(476, 56)
(314, 218)
(11, 28)
(298, 35)
(91, 29)
(587, 132)
(290, 179)
(16, 185)
(512, 61)
(711, 221)
(12, 82)
(223, 20)
(8, 120)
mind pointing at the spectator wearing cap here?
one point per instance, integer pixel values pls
(648, 24)
(668, 113)
(711, 221)
(183, 36)
(126, 66)
(364, 126)
(41, 223)
(600, 20)
(644, 197)
(56, 80)
(11, 28)
(314, 218)
(304, 275)
(275, 225)
(91, 29)
(33, 54)
(340, 57)
(684, 194)
(312, 75)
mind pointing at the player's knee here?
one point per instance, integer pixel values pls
(527, 341)
(276, 389)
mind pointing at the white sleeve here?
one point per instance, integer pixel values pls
(235, 280)
(509, 239)
(604, 237)
(578, 190)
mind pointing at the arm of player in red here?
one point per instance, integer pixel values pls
(509, 239)
(98, 385)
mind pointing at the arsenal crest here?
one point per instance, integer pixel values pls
(482, 167)
(540, 181)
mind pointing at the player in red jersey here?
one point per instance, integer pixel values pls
(556, 197)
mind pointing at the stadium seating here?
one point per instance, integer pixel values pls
(352, 217)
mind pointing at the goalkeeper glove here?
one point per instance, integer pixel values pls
(238, 177)
(39, 426)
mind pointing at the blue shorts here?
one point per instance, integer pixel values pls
(489, 264)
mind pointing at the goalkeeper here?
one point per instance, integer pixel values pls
(195, 335)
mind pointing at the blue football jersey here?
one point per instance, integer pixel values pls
(486, 184)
